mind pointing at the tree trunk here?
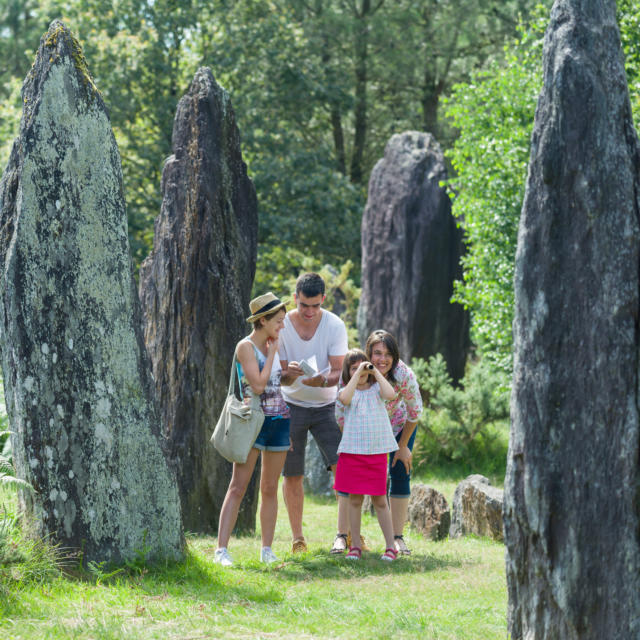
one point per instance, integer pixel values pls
(571, 503)
(360, 108)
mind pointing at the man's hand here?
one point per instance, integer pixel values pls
(404, 455)
(294, 370)
(316, 381)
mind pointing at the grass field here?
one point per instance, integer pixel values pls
(445, 590)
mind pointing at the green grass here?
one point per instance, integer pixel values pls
(447, 590)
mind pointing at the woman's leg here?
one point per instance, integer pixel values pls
(355, 516)
(399, 514)
(237, 487)
(400, 491)
(272, 464)
(384, 519)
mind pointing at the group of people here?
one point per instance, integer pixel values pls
(361, 407)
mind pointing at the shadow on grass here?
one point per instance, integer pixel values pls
(330, 567)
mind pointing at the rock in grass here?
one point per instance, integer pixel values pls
(429, 512)
(477, 509)
(571, 491)
(195, 289)
(411, 252)
(78, 386)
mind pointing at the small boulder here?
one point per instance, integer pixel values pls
(429, 512)
(477, 509)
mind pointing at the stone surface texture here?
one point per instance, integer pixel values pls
(411, 249)
(317, 479)
(195, 289)
(78, 385)
(477, 509)
(429, 512)
(571, 503)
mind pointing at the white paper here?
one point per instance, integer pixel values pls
(310, 367)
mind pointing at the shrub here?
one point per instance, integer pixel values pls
(464, 425)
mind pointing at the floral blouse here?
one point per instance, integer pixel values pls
(405, 406)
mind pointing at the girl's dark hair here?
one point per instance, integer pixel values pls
(353, 356)
(257, 324)
(380, 335)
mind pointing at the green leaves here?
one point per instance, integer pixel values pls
(494, 116)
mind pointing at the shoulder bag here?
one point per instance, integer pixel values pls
(239, 424)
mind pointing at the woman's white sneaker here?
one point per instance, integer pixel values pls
(267, 556)
(222, 557)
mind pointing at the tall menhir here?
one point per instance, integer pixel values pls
(195, 289)
(571, 491)
(77, 380)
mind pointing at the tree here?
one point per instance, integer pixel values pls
(494, 115)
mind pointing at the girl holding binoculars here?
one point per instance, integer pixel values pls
(367, 439)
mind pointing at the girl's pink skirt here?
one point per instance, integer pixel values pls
(364, 475)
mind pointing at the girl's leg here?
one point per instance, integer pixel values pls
(272, 463)
(237, 487)
(384, 519)
(355, 516)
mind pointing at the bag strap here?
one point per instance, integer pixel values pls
(233, 380)
(233, 376)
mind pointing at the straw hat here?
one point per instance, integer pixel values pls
(263, 305)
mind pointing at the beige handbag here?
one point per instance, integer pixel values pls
(239, 424)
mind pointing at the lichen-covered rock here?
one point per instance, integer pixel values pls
(571, 490)
(429, 512)
(77, 381)
(411, 250)
(477, 509)
(195, 289)
(317, 479)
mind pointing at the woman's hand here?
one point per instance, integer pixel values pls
(404, 455)
(272, 346)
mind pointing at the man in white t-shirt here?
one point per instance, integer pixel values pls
(319, 338)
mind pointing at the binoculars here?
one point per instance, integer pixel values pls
(368, 366)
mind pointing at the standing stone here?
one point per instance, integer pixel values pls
(195, 289)
(77, 380)
(571, 503)
(428, 512)
(318, 480)
(477, 509)
(411, 251)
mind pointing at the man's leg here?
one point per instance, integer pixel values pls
(293, 492)
(292, 487)
(327, 435)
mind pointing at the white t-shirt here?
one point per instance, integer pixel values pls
(330, 339)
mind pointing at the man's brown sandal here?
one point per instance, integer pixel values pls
(299, 546)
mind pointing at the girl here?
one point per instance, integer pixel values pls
(367, 438)
(259, 372)
(404, 411)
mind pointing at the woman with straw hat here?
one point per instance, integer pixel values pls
(259, 372)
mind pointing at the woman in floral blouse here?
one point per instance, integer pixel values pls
(404, 410)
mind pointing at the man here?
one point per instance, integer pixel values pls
(313, 334)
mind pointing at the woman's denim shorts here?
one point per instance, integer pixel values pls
(274, 435)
